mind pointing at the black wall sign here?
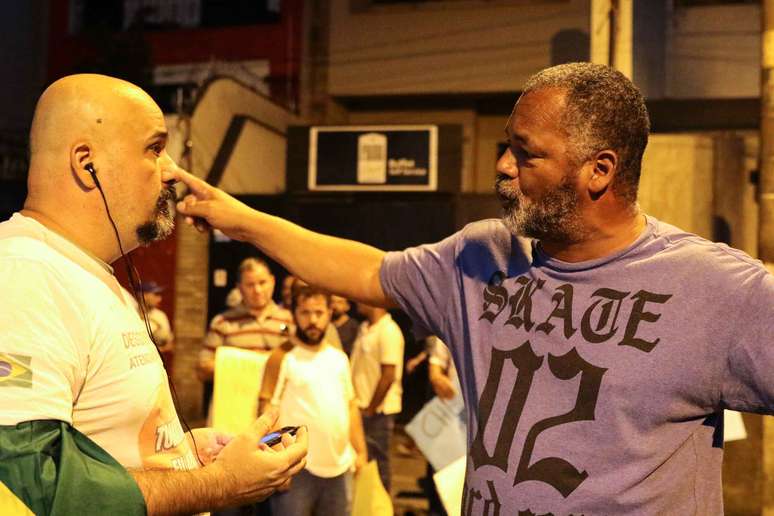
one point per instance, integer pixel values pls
(373, 158)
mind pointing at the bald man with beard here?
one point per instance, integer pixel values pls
(75, 358)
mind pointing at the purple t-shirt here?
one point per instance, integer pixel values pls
(594, 387)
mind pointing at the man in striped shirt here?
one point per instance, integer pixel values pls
(257, 323)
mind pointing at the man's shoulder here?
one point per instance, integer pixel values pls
(487, 234)
(234, 314)
(334, 354)
(484, 229)
(700, 254)
(388, 328)
(14, 245)
(334, 362)
(279, 313)
(475, 246)
(31, 256)
(483, 233)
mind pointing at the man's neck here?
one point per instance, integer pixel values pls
(91, 246)
(314, 348)
(258, 312)
(604, 239)
(373, 319)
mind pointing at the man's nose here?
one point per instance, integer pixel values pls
(168, 168)
(507, 164)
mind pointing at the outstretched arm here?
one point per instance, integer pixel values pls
(344, 267)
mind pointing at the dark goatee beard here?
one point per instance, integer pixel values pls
(163, 222)
(306, 339)
(554, 217)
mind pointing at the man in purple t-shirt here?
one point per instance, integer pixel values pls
(596, 346)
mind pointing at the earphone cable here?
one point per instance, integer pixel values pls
(134, 281)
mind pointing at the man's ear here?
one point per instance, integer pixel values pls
(81, 156)
(603, 168)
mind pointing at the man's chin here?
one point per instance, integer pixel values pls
(163, 223)
(154, 231)
(258, 305)
(314, 339)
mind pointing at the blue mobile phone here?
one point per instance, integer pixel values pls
(275, 437)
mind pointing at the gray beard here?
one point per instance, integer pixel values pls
(555, 217)
(163, 222)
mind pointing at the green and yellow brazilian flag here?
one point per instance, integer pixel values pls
(48, 467)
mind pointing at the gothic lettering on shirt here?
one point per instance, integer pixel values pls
(521, 302)
(599, 323)
(554, 471)
(638, 315)
(562, 310)
(473, 500)
(527, 362)
(494, 294)
(610, 301)
(557, 472)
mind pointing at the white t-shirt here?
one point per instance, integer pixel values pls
(377, 344)
(314, 388)
(73, 348)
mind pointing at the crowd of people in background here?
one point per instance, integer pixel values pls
(333, 366)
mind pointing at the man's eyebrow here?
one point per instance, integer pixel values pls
(511, 135)
(159, 135)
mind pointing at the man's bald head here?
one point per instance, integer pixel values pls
(83, 106)
(91, 122)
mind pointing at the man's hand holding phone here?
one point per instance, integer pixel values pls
(273, 438)
(257, 469)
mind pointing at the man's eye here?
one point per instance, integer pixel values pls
(521, 154)
(524, 155)
(157, 148)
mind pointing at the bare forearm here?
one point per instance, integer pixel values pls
(343, 267)
(442, 385)
(435, 372)
(181, 492)
(385, 381)
(356, 434)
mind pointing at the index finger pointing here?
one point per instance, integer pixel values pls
(201, 189)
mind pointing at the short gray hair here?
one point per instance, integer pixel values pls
(251, 263)
(604, 110)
